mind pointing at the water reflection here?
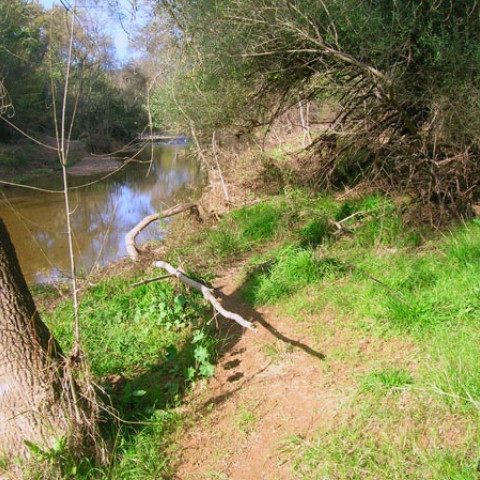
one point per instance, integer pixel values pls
(103, 213)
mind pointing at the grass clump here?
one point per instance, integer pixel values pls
(292, 269)
(247, 228)
(145, 347)
(315, 232)
(386, 380)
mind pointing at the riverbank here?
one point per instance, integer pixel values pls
(26, 158)
(365, 364)
(108, 203)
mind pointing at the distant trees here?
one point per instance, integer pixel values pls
(404, 75)
(22, 51)
(33, 47)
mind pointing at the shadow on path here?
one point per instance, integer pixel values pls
(235, 303)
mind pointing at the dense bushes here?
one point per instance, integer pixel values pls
(404, 75)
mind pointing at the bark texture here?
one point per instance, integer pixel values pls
(32, 406)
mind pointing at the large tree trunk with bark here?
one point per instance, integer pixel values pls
(37, 396)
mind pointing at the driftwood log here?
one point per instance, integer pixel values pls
(130, 237)
(207, 294)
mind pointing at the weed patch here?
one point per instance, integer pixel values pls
(153, 340)
(293, 269)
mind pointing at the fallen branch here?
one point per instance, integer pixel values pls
(150, 280)
(130, 237)
(339, 224)
(207, 294)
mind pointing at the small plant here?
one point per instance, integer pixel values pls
(204, 354)
(463, 246)
(387, 380)
(225, 242)
(57, 460)
(277, 351)
(245, 419)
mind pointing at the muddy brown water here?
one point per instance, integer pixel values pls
(103, 213)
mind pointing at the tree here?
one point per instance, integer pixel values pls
(41, 405)
(23, 46)
(404, 76)
(34, 48)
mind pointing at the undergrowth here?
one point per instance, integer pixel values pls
(384, 278)
(145, 346)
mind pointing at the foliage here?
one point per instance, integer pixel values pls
(147, 454)
(404, 74)
(33, 46)
(137, 330)
(22, 50)
(146, 346)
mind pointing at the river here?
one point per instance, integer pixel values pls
(103, 213)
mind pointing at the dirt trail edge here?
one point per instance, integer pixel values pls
(270, 388)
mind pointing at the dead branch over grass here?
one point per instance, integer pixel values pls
(207, 294)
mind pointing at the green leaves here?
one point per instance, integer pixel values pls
(204, 353)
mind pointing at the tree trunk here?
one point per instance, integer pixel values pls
(35, 393)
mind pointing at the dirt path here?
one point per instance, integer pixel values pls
(269, 388)
(274, 389)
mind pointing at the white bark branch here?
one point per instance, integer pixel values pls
(207, 294)
(130, 237)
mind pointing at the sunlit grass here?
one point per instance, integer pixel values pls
(384, 286)
(383, 282)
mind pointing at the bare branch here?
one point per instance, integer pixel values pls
(207, 294)
(130, 237)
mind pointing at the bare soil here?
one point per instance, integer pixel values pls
(93, 164)
(271, 388)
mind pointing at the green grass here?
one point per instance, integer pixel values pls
(155, 337)
(133, 329)
(403, 418)
(386, 380)
(355, 452)
(248, 228)
(454, 373)
(291, 269)
(245, 418)
(149, 453)
(386, 281)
